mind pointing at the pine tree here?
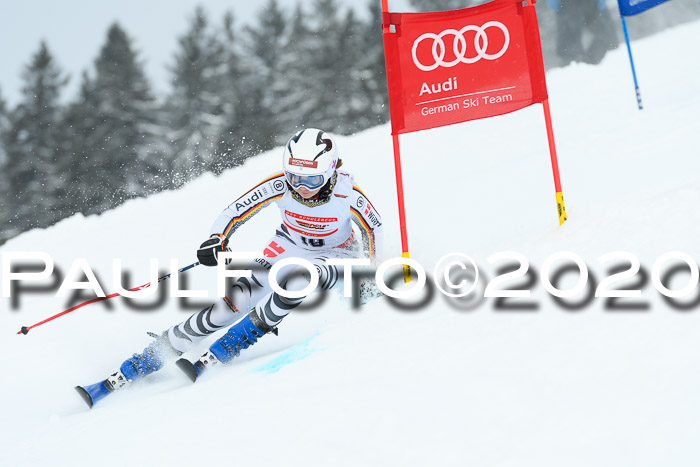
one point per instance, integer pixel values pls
(4, 126)
(263, 77)
(4, 179)
(372, 68)
(195, 109)
(329, 84)
(293, 108)
(331, 79)
(352, 104)
(78, 141)
(33, 157)
(120, 160)
(232, 143)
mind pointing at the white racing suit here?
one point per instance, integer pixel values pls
(315, 230)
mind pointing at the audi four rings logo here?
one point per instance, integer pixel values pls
(459, 46)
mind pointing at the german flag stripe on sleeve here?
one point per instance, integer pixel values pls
(363, 224)
(258, 185)
(238, 221)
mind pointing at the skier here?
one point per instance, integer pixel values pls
(317, 203)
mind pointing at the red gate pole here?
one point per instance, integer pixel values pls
(561, 210)
(402, 211)
(397, 169)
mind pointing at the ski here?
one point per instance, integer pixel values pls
(93, 393)
(96, 392)
(190, 369)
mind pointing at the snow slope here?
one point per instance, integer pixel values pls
(444, 383)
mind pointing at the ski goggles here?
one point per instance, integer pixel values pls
(310, 182)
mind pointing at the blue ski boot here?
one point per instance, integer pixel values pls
(242, 335)
(136, 367)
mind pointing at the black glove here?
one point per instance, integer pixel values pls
(209, 250)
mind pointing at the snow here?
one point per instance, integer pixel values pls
(443, 384)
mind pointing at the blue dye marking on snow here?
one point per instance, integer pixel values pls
(296, 353)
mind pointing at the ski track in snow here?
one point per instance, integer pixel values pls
(442, 385)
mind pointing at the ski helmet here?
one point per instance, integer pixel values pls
(310, 158)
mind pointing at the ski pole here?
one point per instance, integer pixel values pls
(25, 329)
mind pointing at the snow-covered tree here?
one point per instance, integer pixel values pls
(328, 57)
(331, 78)
(79, 141)
(194, 108)
(372, 68)
(293, 107)
(233, 147)
(33, 158)
(4, 126)
(5, 207)
(353, 103)
(263, 77)
(120, 160)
